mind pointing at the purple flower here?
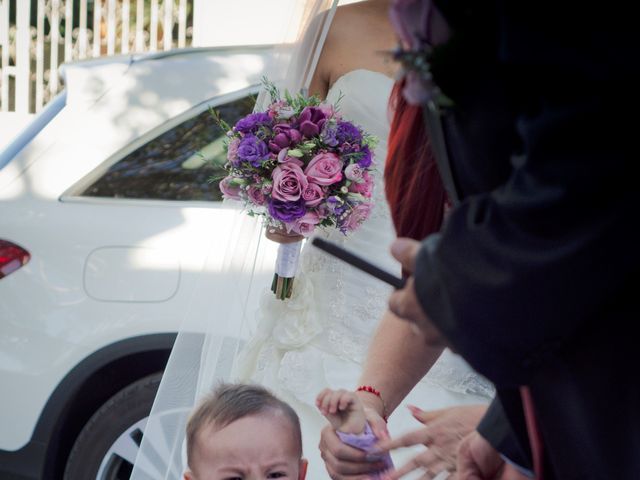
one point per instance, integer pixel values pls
(285, 136)
(311, 121)
(253, 150)
(328, 135)
(287, 211)
(365, 158)
(252, 122)
(347, 132)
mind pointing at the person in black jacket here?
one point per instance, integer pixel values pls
(532, 277)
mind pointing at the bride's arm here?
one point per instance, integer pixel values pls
(396, 361)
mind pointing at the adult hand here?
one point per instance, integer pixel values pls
(478, 460)
(348, 463)
(280, 235)
(442, 433)
(404, 303)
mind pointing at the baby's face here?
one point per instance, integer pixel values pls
(257, 447)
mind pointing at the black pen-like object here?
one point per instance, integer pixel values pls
(358, 262)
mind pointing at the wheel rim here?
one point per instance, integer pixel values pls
(118, 461)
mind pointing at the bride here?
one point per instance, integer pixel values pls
(320, 336)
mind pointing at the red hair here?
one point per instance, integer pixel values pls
(413, 185)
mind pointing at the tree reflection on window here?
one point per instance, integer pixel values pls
(177, 165)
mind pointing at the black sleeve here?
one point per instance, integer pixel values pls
(518, 270)
(521, 268)
(500, 432)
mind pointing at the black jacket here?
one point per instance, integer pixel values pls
(533, 277)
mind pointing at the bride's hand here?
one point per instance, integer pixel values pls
(442, 433)
(280, 235)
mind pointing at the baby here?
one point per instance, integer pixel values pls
(346, 415)
(244, 432)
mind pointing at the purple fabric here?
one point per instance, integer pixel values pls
(365, 441)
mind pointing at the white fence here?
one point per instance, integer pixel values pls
(36, 36)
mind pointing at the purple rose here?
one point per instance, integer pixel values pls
(256, 195)
(358, 215)
(230, 190)
(311, 121)
(288, 182)
(347, 132)
(286, 211)
(418, 22)
(253, 150)
(252, 122)
(324, 169)
(312, 194)
(285, 136)
(306, 224)
(419, 25)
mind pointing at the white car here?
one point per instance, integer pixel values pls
(107, 218)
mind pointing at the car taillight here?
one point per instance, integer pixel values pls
(12, 257)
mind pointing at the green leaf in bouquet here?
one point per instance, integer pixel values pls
(295, 152)
(219, 120)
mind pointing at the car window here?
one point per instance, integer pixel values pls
(182, 163)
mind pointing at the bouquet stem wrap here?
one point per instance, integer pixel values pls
(286, 267)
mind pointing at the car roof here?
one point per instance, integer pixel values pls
(162, 72)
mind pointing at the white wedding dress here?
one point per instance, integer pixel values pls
(320, 336)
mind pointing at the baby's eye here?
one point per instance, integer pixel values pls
(277, 475)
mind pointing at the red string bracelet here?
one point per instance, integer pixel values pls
(376, 392)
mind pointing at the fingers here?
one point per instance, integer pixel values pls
(344, 462)
(405, 250)
(331, 401)
(428, 462)
(424, 416)
(416, 437)
(377, 424)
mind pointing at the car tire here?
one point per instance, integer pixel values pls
(94, 454)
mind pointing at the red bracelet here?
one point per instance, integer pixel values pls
(376, 392)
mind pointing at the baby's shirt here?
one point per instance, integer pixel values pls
(365, 441)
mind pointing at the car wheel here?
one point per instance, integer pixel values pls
(108, 444)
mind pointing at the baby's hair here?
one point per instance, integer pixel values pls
(230, 402)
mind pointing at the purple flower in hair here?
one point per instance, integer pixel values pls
(252, 122)
(287, 211)
(253, 150)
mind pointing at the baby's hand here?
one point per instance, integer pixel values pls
(343, 409)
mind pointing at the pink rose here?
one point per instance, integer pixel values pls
(306, 225)
(312, 194)
(358, 215)
(229, 190)
(354, 172)
(325, 169)
(256, 195)
(365, 187)
(288, 182)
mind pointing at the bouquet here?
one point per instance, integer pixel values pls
(300, 166)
